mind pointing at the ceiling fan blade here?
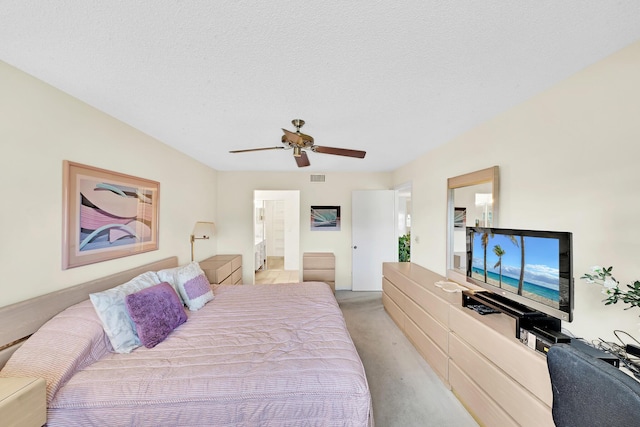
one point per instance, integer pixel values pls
(257, 149)
(302, 160)
(340, 151)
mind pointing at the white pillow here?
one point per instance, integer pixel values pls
(191, 284)
(111, 308)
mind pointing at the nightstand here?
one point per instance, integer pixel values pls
(319, 267)
(223, 269)
(23, 402)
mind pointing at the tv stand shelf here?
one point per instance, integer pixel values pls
(498, 379)
(526, 318)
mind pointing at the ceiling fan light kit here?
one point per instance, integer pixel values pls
(298, 142)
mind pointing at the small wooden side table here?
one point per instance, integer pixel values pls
(23, 402)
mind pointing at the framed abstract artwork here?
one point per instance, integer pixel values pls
(106, 215)
(325, 218)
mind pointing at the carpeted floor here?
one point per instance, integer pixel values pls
(406, 392)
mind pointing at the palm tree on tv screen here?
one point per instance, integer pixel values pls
(521, 282)
(499, 253)
(521, 246)
(485, 242)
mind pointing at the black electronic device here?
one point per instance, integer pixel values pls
(595, 352)
(551, 335)
(528, 273)
(633, 350)
(482, 309)
(541, 339)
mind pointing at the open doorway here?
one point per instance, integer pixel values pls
(277, 236)
(403, 215)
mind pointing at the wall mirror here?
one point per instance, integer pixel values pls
(472, 200)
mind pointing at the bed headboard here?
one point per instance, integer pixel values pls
(26, 317)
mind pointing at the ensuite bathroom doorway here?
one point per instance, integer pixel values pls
(277, 236)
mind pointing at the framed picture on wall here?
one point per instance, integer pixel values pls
(459, 217)
(325, 218)
(106, 215)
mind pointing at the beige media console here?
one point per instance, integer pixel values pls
(498, 379)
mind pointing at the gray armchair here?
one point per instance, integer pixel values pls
(590, 392)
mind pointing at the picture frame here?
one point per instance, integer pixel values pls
(106, 215)
(325, 218)
(459, 217)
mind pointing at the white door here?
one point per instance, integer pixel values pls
(373, 237)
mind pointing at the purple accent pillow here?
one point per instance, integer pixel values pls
(156, 311)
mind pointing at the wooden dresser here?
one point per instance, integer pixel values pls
(421, 310)
(498, 379)
(319, 267)
(223, 269)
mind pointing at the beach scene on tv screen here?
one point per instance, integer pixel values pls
(536, 276)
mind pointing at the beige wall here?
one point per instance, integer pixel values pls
(235, 212)
(568, 162)
(39, 128)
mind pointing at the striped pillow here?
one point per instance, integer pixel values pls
(191, 283)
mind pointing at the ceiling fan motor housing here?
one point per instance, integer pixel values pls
(298, 123)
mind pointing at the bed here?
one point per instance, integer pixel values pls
(265, 355)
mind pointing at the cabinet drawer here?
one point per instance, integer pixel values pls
(318, 262)
(519, 403)
(217, 273)
(318, 275)
(394, 276)
(481, 333)
(236, 276)
(435, 357)
(432, 328)
(223, 272)
(392, 292)
(394, 311)
(236, 263)
(481, 407)
(227, 281)
(429, 301)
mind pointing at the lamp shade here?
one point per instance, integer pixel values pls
(203, 230)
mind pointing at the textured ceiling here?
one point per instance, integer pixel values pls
(393, 78)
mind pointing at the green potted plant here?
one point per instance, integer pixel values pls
(404, 248)
(611, 287)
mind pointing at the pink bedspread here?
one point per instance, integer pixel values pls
(265, 355)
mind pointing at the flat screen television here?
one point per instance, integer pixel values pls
(531, 268)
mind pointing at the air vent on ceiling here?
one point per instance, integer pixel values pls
(317, 178)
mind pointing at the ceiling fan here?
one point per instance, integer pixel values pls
(300, 142)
